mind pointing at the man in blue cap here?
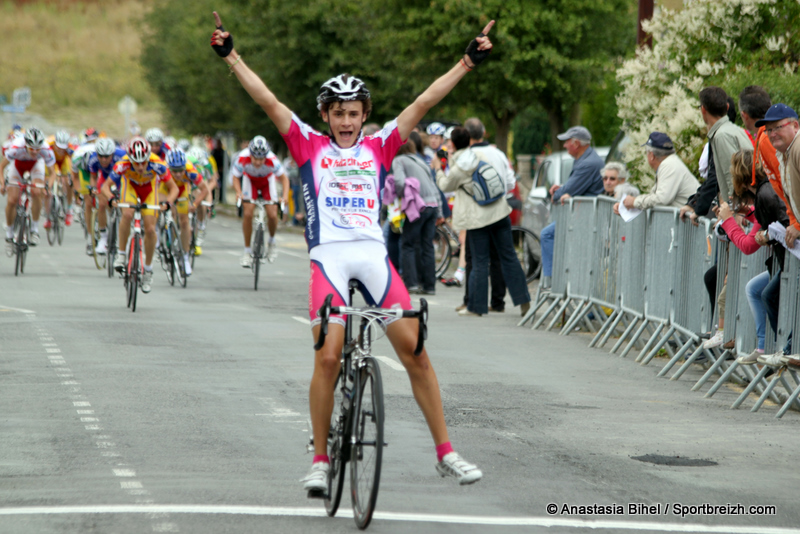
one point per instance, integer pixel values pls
(675, 183)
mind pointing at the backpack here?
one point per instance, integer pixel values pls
(487, 186)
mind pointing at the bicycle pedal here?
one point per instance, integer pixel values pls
(317, 494)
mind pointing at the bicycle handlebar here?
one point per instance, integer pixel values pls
(422, 314)
(140, 206)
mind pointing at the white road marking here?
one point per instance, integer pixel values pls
(535, 521)
(397, 366)
(80, 403)
(21, 310)
(132, 484)
(124, 472)
(293, 254)
(301, 320)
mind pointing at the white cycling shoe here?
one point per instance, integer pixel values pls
(317, 477)
(453, 465)
(246, 260)
(272, 252)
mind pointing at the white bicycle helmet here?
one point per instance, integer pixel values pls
(154, 135)
(436, 128)
(104, 146)
(184, 144)
(62, 139)
(138, 150)
(34, 138)
(342, 88)
(259, 147)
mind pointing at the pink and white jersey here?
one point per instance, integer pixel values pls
(342, 186)
(243, 166)
(18, 154)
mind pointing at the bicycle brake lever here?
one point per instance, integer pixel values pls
(423, 326)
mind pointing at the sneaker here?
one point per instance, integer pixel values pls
(427, 292)
(47, 224)
(729, 345)
(317, 477)
(102, 247)
(715, 340)
(455, 466)
(119, 262)
(147, 281)
(272, 252)
(523, 308)
(246, 260)
(187, 266)
(750, 359)
(771, 360)
(68, 219)
(199, 238)
(413, 290)
(497, 310)
(9, 247)
(793, 361)
(466, 313)
(89, 249)
(450, 282)
(462, 307)
(34, 239)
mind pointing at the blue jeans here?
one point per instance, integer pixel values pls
(392, 246)
(548, 239)
(479, 239)
(755, 287)
(419, 265)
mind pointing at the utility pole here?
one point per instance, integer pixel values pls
(645, 13)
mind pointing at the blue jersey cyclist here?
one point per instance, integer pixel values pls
(342, 174)
(101, 163)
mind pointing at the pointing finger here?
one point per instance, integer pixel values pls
(485, 30)
(217, 20)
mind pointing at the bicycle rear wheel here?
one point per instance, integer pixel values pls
(60, 220)
(367, 452)
(136, 270)
(441, 252)
(20, 246)
(177, 254)
(99, 259)
(165, 255)
(112, 246)
(337, 450)
(529, 251)
(52, 218)
(258, 252)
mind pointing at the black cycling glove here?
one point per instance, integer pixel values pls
(475, 55)
(225, 48)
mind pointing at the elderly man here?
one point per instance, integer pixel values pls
(674, 181)
(724, 140)
(584, 180)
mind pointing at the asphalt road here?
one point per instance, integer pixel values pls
(190, 415)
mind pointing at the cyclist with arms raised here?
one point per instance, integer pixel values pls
(137, 176)
(342, 175)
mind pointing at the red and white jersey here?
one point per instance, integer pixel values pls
(243, 166)
(18, 153)
(10, 141)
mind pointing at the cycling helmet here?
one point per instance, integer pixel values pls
(198, 156)
(169, 141)
(17, 127)
(34, 138)
(105, 146)
(62, 139)
(342, 88)
(154, 135)
(259, 148)
(184, 144)
(176, 159)
(138, 150)
(90, 134)
(436, 128)
(449, 133)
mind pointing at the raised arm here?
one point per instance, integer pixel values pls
(476, 52)
(222, 43)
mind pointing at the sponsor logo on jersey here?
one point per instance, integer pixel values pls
(311, 211)
(330, 163)
(346, 202)
(355, 186)
(351, 221)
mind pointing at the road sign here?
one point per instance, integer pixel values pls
(127, 106)
(22, 96)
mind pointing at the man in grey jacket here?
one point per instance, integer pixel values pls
(675, 183)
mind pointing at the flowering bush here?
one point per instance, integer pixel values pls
(709, 42)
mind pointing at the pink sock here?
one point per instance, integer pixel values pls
(321, 458)
(443, 449)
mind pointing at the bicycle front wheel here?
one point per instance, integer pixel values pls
(337, 450)
(136, 270)
(177, 254)
(52, 218)
(99, 259)
(529, 252)
(441, 252)
(258, 252)
(111, 255)
(61, 220)
(367, 452)
(20, 246)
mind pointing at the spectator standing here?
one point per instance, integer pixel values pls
(484, 224)
(584, 180)
(419, 229)
(675, 183)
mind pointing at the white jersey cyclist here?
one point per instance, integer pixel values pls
(341, 186)
(22, 161)
(259, 179)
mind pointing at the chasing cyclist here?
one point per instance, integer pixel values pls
(256, 166)
(158, 147)
(185, 176)
(59, 144)
(342, 174)
(29, 154)
(101, 163)
(137, 176)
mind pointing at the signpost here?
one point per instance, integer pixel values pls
(127, 107)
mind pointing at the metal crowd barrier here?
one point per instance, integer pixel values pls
(643, 281)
